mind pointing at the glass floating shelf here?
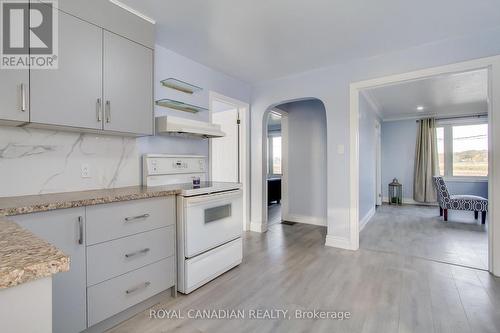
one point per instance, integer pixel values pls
(180, 86)
(170, 103)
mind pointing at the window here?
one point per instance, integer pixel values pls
(274, 163)
(440, 149)
(463, 149)
(470, 150)
(276, 166)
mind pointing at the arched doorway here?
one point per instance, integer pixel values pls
(295, 178)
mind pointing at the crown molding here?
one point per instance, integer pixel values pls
(133, 11)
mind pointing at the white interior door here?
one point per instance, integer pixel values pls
(225, 151)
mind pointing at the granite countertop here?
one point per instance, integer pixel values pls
(25, 257)
(44, 202)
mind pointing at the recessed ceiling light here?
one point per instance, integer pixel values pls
(420, 108)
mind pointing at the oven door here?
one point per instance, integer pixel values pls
(211, 220)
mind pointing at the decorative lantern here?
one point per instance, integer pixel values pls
(395, 193)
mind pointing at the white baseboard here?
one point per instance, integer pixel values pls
(338, 242)
(364, 221)
(258, 227)
(305, 219)
(410, 201)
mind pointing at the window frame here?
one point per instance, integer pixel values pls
(447, 125)
(270, 136)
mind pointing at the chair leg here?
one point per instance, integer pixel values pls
(440, 211)
(476, 214)
(445, 212)
(483, 217)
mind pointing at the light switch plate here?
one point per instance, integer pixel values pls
(340, 149)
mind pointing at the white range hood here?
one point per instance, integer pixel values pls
(170, 125)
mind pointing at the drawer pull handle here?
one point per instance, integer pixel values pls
(80, 230)
(23, 98)
(98, 110)
(138, 217)
(134, 289)
(130, 255)
(107, 111)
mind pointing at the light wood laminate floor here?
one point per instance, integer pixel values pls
(290, 268)
(273, 214)
(419, 231)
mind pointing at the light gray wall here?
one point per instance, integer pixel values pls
(331, 86)
(307, 174)
(478, 188)
(367, 157)
(398, 156)
(169, 64)
(41, 161)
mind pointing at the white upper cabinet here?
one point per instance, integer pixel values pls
(72, 94)
(104, 79)
(128, 86)
(111, 17)
(14, 94)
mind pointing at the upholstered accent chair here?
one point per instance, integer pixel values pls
(459, 202)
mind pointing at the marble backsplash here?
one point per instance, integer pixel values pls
(40, 161)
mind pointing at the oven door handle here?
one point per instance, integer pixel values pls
(203, 199)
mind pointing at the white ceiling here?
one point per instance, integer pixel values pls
(449, 95)
(260, 40)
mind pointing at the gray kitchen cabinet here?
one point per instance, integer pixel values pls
(65, 229)
(111, 17)
(128, 86)
(14, 94)
(71, 95)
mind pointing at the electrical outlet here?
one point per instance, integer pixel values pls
(85, 170)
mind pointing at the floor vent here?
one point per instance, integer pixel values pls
(288, 222)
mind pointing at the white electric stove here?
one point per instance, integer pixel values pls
(209, 218)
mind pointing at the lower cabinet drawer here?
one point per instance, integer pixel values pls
(119, 219)
(113, 296)
(207, 266)
(110, 259)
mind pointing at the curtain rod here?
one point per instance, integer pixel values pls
(459, 117)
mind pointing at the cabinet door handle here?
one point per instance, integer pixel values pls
(98, 109)
(138, 217)
(134, 289)
(130, 255)
(80, 230)
(108, 111)
(23, 98)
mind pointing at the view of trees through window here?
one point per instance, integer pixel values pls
(463, 150)
(470, 150)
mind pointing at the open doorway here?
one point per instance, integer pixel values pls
(229, 160)
(274, 166)
(299, 127)
(434, 167)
